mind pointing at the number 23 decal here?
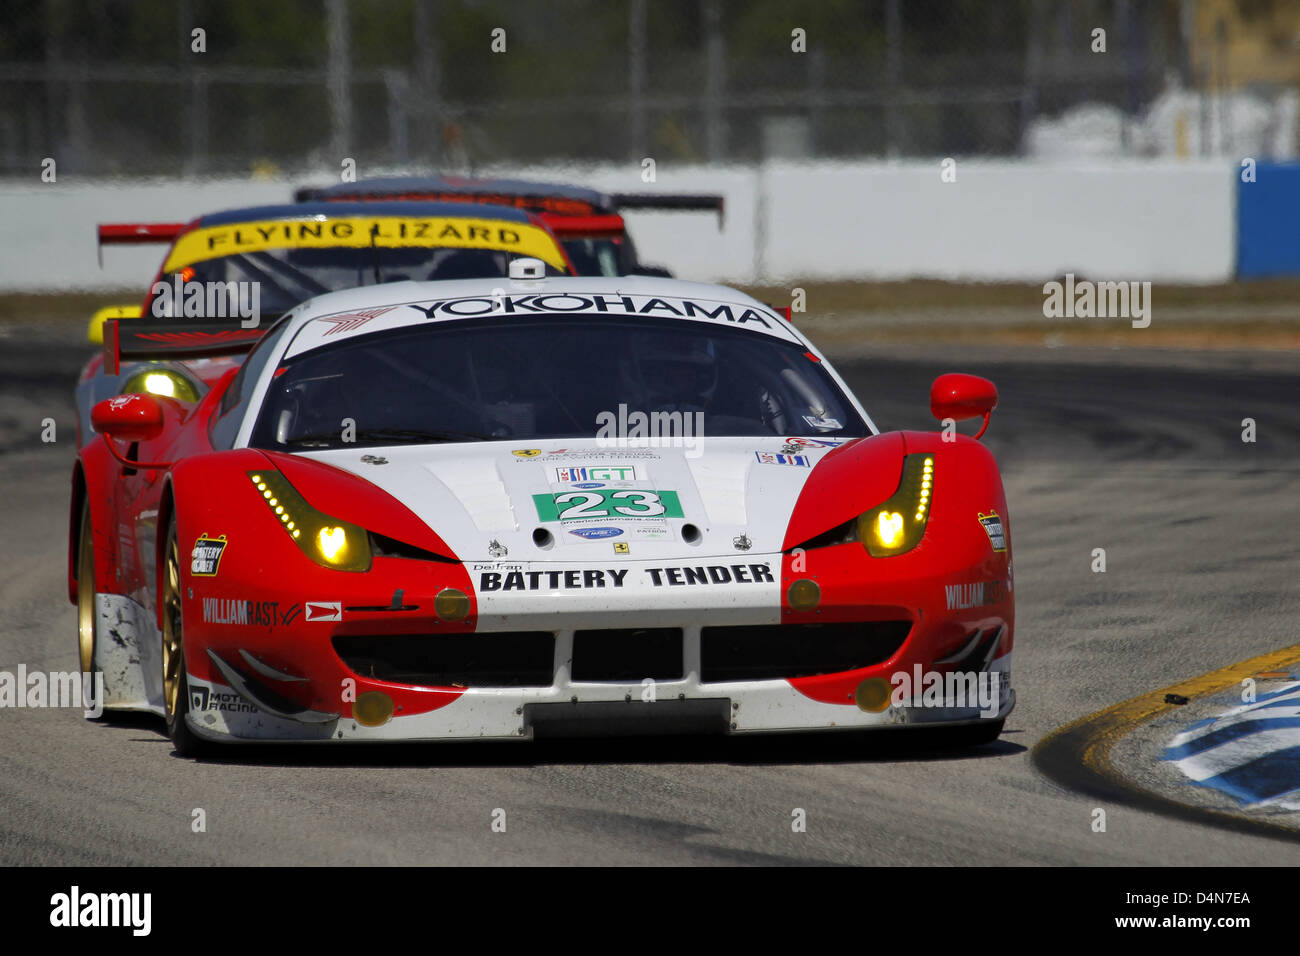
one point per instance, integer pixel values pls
(586, 505)
(641, 504)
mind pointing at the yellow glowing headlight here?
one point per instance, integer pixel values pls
(326, 540)
(161, 381)
(897, 525)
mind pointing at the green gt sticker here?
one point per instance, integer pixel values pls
(607, 503)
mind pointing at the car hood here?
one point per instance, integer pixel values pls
(570, 500)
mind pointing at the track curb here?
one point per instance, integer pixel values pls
(1077, 755)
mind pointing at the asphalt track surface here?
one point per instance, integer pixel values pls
(1139, 453)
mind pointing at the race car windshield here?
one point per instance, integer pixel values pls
(540, 378)
(594, 257)
(288, 276)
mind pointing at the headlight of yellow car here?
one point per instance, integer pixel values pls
(161, 381)
(897, 525)
(328, 541)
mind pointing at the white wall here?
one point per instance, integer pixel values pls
(999, 221)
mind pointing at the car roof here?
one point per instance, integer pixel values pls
(337, 316)
(342, 210)
(464, 186)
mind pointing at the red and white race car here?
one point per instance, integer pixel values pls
(506, 508)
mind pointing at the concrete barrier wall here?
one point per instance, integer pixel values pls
(999, 221)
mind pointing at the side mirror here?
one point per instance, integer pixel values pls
(959, 396)
(130, 418)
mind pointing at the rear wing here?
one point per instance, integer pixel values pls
(583, 227)
(136, 234)
(555, 205)
(128, 340)
(678, 202)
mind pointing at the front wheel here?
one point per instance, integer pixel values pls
(87, 612)
(176, 696)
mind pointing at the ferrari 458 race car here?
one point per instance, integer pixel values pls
(227, 276)
(422, 511)
(589, 223)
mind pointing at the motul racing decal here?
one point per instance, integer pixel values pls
(205, 559)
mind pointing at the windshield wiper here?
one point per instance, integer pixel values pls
(392, 436)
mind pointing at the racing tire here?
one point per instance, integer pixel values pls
(87, 612)
(176, 693)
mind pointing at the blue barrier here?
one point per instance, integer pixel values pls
(1268, 222)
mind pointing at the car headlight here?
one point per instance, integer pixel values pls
(898, 524)
(161, 381)
(328, 541)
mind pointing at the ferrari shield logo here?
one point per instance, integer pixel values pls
(526, 452)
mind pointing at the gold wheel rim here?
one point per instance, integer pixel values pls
(173, 652)
(86, 597)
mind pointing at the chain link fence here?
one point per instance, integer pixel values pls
(218, 87)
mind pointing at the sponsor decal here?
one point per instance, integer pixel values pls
(596, 534)
(993, 525)
(324, 611)
(217, 610)
(205, 559)
(496, 549)
(374, 459)
(621, 547)
(552, 303)
(712, 574)
(357, 232)
(202, 698)
(828, 423)
(588, 455)
(589, 473)
(606, 503)
(979, 594)
(351, 321)
(798, 440)
(769, 458)
(589, 484)
(550, 580)
(742, 542)
(590, 578)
